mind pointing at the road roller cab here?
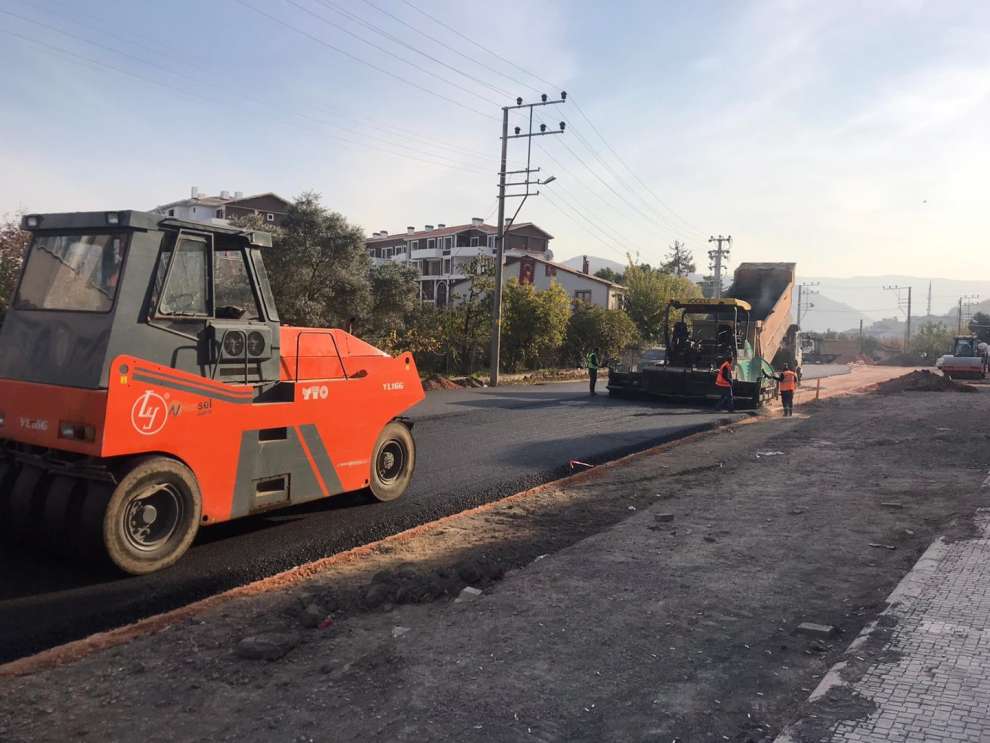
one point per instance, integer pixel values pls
(147, 387)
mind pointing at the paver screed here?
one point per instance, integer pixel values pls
(921, 672)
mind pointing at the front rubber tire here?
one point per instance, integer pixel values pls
(152, 516)
(393, 462)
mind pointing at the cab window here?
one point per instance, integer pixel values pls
(187, 287)
(235, 299)
(72, 272)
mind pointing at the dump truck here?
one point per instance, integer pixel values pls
(968, 359)
(752, 326)
(148, 389)
(821, 350)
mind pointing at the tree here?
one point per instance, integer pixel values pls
(609, 275)
(591, 327)
(13, 245)
(980, 326)
(534, 324)
(932, 340)
(394, 296)
(647, 294)
(319, 268)
(680, 261)
(469, 326)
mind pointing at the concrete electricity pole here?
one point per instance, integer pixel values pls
(907, 327)
(716, 256)
(804, 289)
(496, 347)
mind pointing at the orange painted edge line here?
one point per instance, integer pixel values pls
(79, 649)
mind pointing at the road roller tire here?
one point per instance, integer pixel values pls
(9, 470)
(63, 493)
(152, 516)
(26, 498)
(393, 461)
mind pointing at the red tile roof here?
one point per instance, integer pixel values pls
(489, 229)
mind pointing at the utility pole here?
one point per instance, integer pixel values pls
(928, 311)
(496, 347)
(716, 256)
(900, 304)
(805, 290)
(861, 335)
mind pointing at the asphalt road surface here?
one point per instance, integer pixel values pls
(473, 446)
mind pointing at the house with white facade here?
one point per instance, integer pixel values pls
(581, 286)
(200, 207)
(441, 253)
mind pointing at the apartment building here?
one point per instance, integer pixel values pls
(441, 253)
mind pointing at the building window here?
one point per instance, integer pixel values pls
(386, 252)
(219, 213)
(414, 245)
(582, 295)
(269, 217)
(431, 244)
(491, 242)
(427, 288)
(446, 266)
(475, 241)
(171, 212)
(549, 270)
(373, 252)
(448, 243)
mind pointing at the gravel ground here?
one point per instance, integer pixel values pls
(655, 599)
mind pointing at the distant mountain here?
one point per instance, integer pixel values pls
(866, 294)
(823, 313)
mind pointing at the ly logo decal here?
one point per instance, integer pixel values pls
(149, 413)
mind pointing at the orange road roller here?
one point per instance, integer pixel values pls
(147, 388)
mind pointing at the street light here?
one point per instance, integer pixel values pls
(545, 181)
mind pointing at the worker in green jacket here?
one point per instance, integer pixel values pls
(593, 370)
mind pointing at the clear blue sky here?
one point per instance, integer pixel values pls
(850, 137)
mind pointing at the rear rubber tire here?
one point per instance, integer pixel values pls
(152, 517)
(393, 461)
(25, 504)
(56, 511)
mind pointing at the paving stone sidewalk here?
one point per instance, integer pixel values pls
(921, 672)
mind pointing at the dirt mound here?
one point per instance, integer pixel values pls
(437, 382)
(923, 381)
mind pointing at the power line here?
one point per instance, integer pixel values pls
(211, 101)
(379, 30)
(677, 230)
(482, 46)
(552, 85)
(360, 60)
(595, 229)
(388, 52)
(446, 44)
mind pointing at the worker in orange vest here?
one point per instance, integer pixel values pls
(723, 380)
(788, 381)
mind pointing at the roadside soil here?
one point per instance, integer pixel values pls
(656, 598)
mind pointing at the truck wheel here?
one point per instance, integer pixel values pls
(152, 516)
(392, 462)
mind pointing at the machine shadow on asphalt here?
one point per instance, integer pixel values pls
(34, 571)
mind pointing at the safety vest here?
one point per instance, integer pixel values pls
(789, 381)
(592, 360)
(720, 380)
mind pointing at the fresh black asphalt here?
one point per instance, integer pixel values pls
(473, 447)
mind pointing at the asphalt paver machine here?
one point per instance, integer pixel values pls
(147, 389)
